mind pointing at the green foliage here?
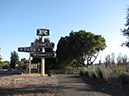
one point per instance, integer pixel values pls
(92, 73)
(86, 74)
(50, 72)
(125, 31)
(99, 73)
(104, 73)
(74, 49)
(81, 73)
(0, 60)
(6, 65)
(122, 77)
(22, 65)
(14, 59)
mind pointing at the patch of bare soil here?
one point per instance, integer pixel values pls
(109, 88)
(18, 85)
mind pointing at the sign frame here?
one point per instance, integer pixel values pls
(42, 32)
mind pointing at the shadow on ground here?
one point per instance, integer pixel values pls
(27, 90)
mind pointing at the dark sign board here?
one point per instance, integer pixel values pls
(43, 44)
(42, 55)
(29, 49)
(42, 32)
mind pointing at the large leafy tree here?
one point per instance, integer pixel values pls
(82, 44)
(14, 59)
(125, 31)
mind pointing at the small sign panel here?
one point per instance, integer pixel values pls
(42, 55)
(29, 49)
(42, 32)
(43, 44)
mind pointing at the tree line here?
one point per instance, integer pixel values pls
(112, 61)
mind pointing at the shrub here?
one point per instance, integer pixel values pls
(86, 74)
(93, 75)
(50, 72)
(81, 72)
(104, 73)
(123, 78)
(99, 73)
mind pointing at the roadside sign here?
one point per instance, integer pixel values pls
(42, 55)
(42, 32)
(43, 44)
(29, 49)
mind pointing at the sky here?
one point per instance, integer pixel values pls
(19, 20)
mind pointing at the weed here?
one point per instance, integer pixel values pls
(122, 77)
(86, 74)
(81, 73)
(93, 75)
(99, 73)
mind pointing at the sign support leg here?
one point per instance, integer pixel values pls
(43, 67)
(43, 61)
(30, 64)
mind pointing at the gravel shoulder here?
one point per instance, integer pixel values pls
(20, 85)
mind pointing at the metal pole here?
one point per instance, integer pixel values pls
(30, 64)
(43, 60)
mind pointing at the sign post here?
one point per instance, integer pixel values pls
(43, 60)
(37, 47)
(30, 64)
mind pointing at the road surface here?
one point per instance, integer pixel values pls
(70, 85)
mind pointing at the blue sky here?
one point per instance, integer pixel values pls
(19, 20)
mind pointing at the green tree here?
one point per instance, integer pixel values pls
(125, 31)
(0, 60)
(6, 64)
(113, 59)
(82, 44)
(119, 59)
(108, 60)
(22, 65)
(14, 59)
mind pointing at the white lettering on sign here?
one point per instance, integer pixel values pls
(43, 32)
(21, 49)
(42, 54)
(29, 49)
(43, 44)
(34, 66)
(38, 49)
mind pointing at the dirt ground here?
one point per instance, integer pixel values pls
(20, 85)
(109, 88)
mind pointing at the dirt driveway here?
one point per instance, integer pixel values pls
(71, 85)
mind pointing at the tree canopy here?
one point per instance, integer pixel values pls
(0, 60)
(125, 31)
(79, 46)
(14, 59)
